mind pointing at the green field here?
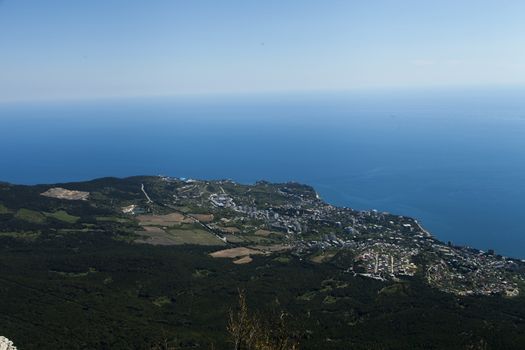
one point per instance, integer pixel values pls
(30, 216)
(235, 238)
(4, 209)
(62, 215)
(259, 239)
(21, 235)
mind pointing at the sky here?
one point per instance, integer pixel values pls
(75, 49)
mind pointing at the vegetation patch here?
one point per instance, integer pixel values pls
(282, 259)
(400, 289)
(4, 209)
(194, 236)
(184, 209)
(258, 239)
(328, 285)
(74, 274)
(164, 220)
(229, 229)
(308, 296)
(62, 215)
(263, 233)
(155, 236)
(200, 273)
(235, 239)
(322, 257)
(203, 217)
(186, 235)
(116, 219)
(161, 301)
(28, 236)
(330, 299)
(68, 231)
(30, 216)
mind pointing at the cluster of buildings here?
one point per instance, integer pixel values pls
(383, 245)
(467, 271)
(385, 260)
(221, 200)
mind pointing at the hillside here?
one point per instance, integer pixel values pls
(144, 261)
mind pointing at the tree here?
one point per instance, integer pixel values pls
(253, 332)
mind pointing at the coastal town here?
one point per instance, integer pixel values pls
(292, 217)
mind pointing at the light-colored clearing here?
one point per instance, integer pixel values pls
(263, 233)
(153, 229)
(203, 217)
(129, 209)
(234, 239)
(244, 260)
(195, 236)
(272, 248)
(62, 193)
(323, 257)
(155, 236)
(229, 229)
(235, 252)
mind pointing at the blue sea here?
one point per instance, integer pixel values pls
(453, 159)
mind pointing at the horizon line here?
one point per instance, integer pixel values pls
(274, 92)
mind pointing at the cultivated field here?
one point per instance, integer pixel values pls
(164, 220)
(203, 217)
(189, 235)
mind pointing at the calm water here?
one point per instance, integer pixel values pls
(454, 160)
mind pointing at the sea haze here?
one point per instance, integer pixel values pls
(455, 160)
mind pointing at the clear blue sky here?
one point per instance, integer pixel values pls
(61, 49)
